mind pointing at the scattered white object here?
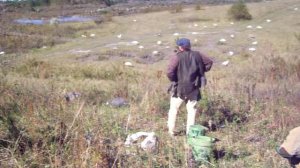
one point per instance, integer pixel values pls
(230, 53)
(232, 36)
(231, 23)
(44, 47)
(176, 34)
(128, 64)
(295, 9)
(119, 36)
(222, 40)
(249, 27)
(225, 63)
(215, 24)
(2, 52)
(134, 20)
(115, 48)
(268, 20)
(148, 144)
(205, 26)
(83, 36)
(195, 25)
(141, 47)
(83, 51)
(259, 27)
(155, 52)
(252, 49)
(167, 46)
(158, 42)
(254, 42)
(195, 33)
(135, 42)
(92, 35)
(195, 40)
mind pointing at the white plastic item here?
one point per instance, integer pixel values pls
(149, 143)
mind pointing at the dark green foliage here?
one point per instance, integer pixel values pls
(239, 11)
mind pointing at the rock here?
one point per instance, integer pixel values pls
(155, 52)
(135, 42)
(70, 96)
(225, 63)
(259, 27)
(254, 43)
(117, 102)
(230, 53)
(128, 64)
(252, 49)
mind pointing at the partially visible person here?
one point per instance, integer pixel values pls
(186, 71)
(290, 148)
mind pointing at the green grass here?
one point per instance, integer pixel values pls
(252, 101)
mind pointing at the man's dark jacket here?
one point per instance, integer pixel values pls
(186, 69)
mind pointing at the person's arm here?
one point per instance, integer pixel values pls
(172, 68)
(206, 61)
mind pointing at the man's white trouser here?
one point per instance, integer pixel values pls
(174, 107)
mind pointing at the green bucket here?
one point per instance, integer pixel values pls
(196, 130)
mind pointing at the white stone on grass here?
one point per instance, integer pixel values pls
(128, 64)
(2, 53)
(254, 43)
(176, 34)
(222, 40)
(155, 52)
(259, 27)
(135, 42)
(268, 20)
(230, 53)
(252, 49)
(92, 35)
(225, 63)
(44, 47)
(249, 27)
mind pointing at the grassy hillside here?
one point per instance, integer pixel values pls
(252, 102)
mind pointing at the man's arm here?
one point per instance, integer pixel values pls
(206, 61)
(172, 68)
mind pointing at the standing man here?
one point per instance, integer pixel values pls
(186, 71)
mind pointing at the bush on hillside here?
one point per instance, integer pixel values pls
(239, 11)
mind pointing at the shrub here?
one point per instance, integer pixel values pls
(198, 7)
(176, 9)
(239, 11)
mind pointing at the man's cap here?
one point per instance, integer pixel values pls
(183, 42)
